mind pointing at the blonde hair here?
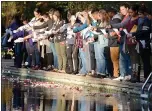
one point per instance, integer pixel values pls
(57, 13)
(106, 17)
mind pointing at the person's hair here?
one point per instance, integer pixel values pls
(142, 10)
(126, 5)
(24, 18)
(51, 11)
(37, 10)
(57, 13)
(134, 7)
(106, 17)
(95, 11)
(111, 10)
(17, 18)
(46, 15)
(149, 11)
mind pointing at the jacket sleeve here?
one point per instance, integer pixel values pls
(63, 28)
(144, 32)
(120, 25)
(44, 25)
(80, 28)
(13, 26)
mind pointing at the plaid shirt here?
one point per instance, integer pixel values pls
(79, 40)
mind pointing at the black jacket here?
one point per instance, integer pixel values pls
(113, 40)
(143, 31)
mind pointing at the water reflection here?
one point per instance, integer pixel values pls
(16, 97)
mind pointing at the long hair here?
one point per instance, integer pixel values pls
(57, 13)
(105, 15)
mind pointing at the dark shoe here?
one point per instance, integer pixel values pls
(36, 67)
(134, 80)
(33, 67)
(75, 72)
(12, 66)
(100, 76)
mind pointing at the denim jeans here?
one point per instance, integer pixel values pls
(5, 39)
(124, 63)
(83, 104)
(35, 55)
(55, 58)
(53, 105)
(83, 56)
(100, 58)
(100, 107)
(92, 56)
(29, 49)
(18, 54)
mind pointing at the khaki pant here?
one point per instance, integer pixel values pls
(114, 53)
(61, 54)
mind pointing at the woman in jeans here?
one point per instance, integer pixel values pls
(60, 41)
(71, 49)
(124, 58)
(49, 24)
(31, 41)
(131, 44)
(100, 45)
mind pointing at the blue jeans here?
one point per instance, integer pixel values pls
(18, 54)
(83, 56)
(124, 63)
(3, 107)
(100, 107)
(35, 55)
(5, 39)
(55, 58)
(83, 104)
(100, 58)
(54, 105)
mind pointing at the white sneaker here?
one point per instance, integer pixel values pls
(127, 78)
(119, 78)
(26, 63)
(10, 38)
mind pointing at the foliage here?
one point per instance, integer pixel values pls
(9, 8)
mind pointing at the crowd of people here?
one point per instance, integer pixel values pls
(95, 42)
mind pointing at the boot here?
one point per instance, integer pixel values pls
(135, 77)
(138, 73)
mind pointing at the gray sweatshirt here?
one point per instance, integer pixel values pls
(70, 38)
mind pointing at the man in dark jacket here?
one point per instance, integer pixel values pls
(113, 46)
(143, 37)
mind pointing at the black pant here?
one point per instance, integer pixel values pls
(72, 57)
(18, 54)
(109, 64)
(29, 50)
(92, 56)
(25, 54)
(47, 60)
(145, 56)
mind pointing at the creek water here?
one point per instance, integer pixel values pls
(29, 94)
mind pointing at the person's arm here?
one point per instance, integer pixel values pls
(27, 26)
(63, 28)
(44, 25)
(122, 24)
(143, 33)
(80, 28)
